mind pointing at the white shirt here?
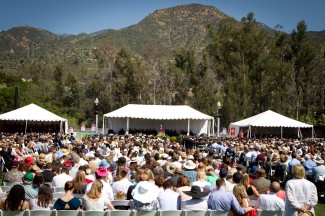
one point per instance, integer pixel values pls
(60, 180)
(106, 191)
(121, 185)
(90, 204)
(82, 162)
(269, 202)
(34, 206)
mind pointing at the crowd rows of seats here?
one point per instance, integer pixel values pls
(128, 213)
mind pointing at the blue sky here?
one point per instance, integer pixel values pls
(76, 16)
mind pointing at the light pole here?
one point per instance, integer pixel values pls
(218, 115)
(96, 113)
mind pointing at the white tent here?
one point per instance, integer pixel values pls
(151, 116)
(33, 114)
(268, 119)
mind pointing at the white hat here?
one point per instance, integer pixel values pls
(145, 192)
(189, 165)
(190, 157)
(318, 160)
(171, 168)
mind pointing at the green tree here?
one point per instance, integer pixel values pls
(304, 64)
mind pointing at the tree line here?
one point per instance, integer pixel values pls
(247, 68)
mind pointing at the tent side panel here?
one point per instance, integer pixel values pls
(197, 126)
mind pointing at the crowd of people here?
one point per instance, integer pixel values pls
(231, 174)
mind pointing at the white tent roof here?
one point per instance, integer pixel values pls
(31, 112)
(163, 112)
(271, 119)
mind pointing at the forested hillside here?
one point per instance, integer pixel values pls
(191, 54)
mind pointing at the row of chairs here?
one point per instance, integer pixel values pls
(54, 189)
(14, 183)
(128, 213)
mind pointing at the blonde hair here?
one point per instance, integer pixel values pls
(120, 195)
(240, 193)
(245, 180)
(201, 175)
(298, 171)
(95, 190)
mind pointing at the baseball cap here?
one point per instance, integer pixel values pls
(28, 177)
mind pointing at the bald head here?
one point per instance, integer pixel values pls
(275, 187)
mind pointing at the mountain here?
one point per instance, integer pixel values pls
(181, 26)
(176, 27)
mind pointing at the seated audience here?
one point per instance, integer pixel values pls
(44, 199)
(67, 201)
(15, 200)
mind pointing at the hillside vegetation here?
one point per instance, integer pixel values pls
(189, 54)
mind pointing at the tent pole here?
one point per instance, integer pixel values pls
(312, 132)
(250, 131)
(127, 125)
(209, 128)
(213, 126)
(26, 127)
(188, 127)
(103, 130)
(281, 132)
(61, 126)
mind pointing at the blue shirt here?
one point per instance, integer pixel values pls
(191, 175)
(309, 165)
(318, 171)
(293, 162)
(222, 200)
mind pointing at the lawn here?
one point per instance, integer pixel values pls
(320, 209)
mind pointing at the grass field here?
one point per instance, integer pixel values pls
(320, 209)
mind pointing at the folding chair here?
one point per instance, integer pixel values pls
(6, 188)
(120, 213)
(41, 213)
(58, 190)
(11, 183)
(172, 213)
(196, 213)
(95, 213)
(68, 213)
(13, 213)
(220, 213)
(270, 213)
(146, 213)
(123, 203)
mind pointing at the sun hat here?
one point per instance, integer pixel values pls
(307, 213)
(145, 192)
(171, 168)
(196, 192)
(318, 160)
(102, 172)
(189, 165)
(65, 151)
(28, 178)
(29, 160)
